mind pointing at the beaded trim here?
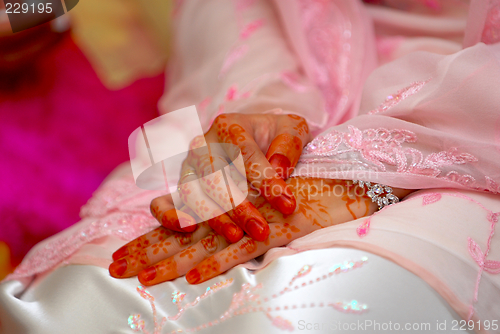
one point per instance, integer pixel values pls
(379, 193)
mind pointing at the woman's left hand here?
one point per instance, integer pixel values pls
(163, 254)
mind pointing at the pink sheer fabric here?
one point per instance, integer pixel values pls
(117, 208)
(427, 120)
(401, 140)
(246, 67)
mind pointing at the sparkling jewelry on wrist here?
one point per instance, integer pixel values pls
(379, 193)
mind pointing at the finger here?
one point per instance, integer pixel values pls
(157, 235)
(286, 148)
(131, 264)
(164, 211)
(217, 183)
(180, 263)
(247, 217)
(242, 251)
(259, 171)
(193, 195)
(224, 226)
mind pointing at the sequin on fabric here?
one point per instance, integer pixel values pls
(248, 300)
(301, 273)
(135, 322)
(177, 297)
(394, 99)
(349, 307)
(209, 291)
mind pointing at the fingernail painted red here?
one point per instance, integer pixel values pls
(286, 204)
(147, 274)
(118, 268)
(257, 230)
(232, 233)
(193, 276)
(281, 165)
(121, 252)
(279, 195)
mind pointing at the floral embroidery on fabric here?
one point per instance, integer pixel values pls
(239, 50)
(250, 28)
(490, 266)
(382, 147)
(209, 291)
(393, 100)
(491, 31)
(492, 185)
(363, 229)
(328, 32)
(306, 269)
(233, 93)
(282, 324)
(431, 198)
(118, 208)
(247, 300)
(135, 322)
(376, 145)
(465, 180)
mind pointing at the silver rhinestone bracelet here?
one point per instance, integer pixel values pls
(380, 194)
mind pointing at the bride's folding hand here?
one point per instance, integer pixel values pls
(203, 187)
(163, 255)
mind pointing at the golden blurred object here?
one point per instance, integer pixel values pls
(124, 40)
(5, 261)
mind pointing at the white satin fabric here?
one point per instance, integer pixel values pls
(82, 299)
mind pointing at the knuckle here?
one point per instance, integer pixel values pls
(250, 157)
(247, 246)
(183, 239)
(210, 243)
(197, 142)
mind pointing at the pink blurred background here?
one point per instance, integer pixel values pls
(66, 111)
